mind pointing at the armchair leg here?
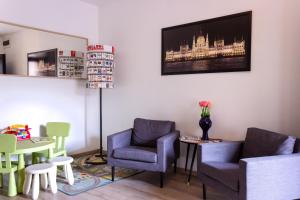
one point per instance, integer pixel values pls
(175, 166)
(204, 191)
(161, 179)
(112, 173)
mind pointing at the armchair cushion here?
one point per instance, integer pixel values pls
(146, 132)
(226, 173)
(297, 146)
(261, 142)
(136, 153)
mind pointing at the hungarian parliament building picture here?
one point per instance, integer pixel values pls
(202, 50)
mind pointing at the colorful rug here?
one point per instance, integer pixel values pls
(89, 176)
(83, 182)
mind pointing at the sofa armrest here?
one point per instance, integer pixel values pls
(227, 151)
(167, 149)
(118, 140)
(271, 177)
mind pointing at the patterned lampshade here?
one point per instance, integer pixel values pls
(100, 65)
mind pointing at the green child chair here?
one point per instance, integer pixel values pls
(8, 145)
(58, 131)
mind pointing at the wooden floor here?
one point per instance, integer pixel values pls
(143, 186)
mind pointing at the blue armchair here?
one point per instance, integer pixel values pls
(150, 145)
(264, 166)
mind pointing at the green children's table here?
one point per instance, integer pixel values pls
(27, 146)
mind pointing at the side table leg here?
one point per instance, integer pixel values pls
(187, 156)
(21, 173)
(192, 163)
(204, 191)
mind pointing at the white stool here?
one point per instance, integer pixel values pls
(66, 163)
(47, 171)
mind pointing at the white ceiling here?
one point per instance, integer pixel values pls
(6, 28)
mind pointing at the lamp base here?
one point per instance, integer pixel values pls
(96, 159)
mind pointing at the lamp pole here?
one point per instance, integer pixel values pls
(100, 157)
(101, 145)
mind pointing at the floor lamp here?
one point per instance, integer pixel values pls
(100, 65)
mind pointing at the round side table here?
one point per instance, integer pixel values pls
(193, 141)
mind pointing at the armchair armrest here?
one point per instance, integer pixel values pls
(227, 151)
(118, 140)
(167, 149)
(271, 177)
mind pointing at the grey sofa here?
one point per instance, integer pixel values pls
(264, 166)
(150, 145)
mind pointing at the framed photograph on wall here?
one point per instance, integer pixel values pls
(42, 63)
(221, 44)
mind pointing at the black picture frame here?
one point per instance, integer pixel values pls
(42, 63)
(221, 44)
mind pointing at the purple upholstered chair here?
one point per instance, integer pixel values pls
(264, 166)
(150, 145)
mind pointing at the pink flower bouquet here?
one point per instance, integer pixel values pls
(205, 108)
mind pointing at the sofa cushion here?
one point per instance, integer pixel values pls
(226, 173)
(261, 142)
(136, 153)
(146, 132)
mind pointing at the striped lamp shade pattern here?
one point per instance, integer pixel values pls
(100, 66)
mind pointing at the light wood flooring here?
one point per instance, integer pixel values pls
(144, 186)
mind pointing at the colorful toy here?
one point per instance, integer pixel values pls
(19, 130)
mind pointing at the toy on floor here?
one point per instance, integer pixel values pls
(20, 130)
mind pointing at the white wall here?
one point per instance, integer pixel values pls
(38, 100)
(290, 70)
(267, 97)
